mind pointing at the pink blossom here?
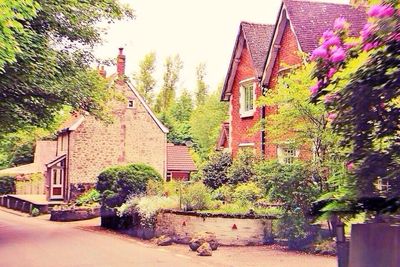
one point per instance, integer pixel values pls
(369, 46)
(328, 99)
(327, 34)
(338, 56)
(332, 116)
(381, 11)
(350, 166)
(350, 45)
(319, 52)
(386, 11)
(340, 24)
(333, 41)
(331, 72)
(374, 11)
(314, 89)
(367, 31)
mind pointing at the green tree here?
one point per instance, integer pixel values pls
(13, 15)
(205, 123)
(183, 107)
(173, 66)
(144, 80)
(201, 90)
(52, 64)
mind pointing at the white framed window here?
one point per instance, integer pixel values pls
(247, 97)
(287, 154)
(383, 186)
(131, 104)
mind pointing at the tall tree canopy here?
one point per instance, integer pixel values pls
(49, 66)
(144, 80)
(173, 66)
(201, 90)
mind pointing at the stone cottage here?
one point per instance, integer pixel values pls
(86, 146)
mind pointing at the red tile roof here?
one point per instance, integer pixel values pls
(310, 19)
(179, 159)
(258, 38)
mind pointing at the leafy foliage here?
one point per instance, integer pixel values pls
(7, 185)
(215, 170)
(144, 80)
(90, 197)
(52, 64)
(243, 168)
(247, 193)
(201, 90)
(115, 184)
(365, 109)
(196, 196)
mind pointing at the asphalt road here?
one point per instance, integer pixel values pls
(31, 242)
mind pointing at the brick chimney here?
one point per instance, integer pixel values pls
(102, 71)
(121, 63)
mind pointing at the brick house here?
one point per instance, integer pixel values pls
(242, 87)
(86, 146)
(298, 28)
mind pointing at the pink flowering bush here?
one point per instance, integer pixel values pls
(363, 106)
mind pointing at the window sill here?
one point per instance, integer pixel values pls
(247, 114)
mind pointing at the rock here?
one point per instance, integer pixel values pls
(201, 238)
(204, 250)
(164, 241)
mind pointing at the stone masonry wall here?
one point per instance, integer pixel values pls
(241, 127)
(184, 227)
(132, 137)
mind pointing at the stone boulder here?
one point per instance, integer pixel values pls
(204, 250)
(201, 238)
(164, 241)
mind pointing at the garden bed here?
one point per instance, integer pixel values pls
(74, 214)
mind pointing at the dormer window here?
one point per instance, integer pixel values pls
(247, 98)
(131, 104)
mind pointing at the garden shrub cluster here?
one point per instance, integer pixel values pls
(7, 185)
(117, 184)
(88, 198)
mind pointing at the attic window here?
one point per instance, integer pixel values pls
(130, 104)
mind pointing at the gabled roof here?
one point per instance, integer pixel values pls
(309, 20)
(257, 38)
(72, 123)
(179, 159)
(56, 160)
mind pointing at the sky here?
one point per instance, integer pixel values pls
(197, 30)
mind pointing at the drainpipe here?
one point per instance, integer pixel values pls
(262, 122)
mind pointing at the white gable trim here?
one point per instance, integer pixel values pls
(75, 126)
(152, 115)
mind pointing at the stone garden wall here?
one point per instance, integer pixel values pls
(232, 230)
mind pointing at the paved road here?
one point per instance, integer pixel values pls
(31, 242)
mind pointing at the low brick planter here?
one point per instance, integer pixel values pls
(75, 214)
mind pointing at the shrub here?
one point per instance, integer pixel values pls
(295, 227)
(247, 193)
(171, 188)
(223, 193)
(195, 196)
(90, 197)
(147, 208)
(35, 212)
(115, 184)
(215, 170)
(242, 169)
(154, 188)
(7, 185)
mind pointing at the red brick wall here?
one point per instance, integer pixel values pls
(241, 127)
(287, 55)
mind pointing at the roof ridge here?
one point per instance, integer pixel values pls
(318, 2)
(255, 23)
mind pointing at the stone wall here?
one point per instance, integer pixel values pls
(230, 230)
(132, 137)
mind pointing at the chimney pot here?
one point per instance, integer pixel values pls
(102, 71)
(121, 64)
